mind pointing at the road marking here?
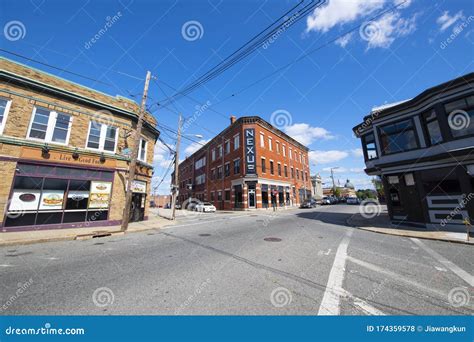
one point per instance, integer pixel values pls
(441, 269)
(6, 265)
(332, 296)
(468, 278)
(202, 222)
(366, 307)
(395, 276)
(325, 253)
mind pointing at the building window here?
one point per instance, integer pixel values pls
(219, 151)
(219, 195)
(236, 166)
(142, 150)
(264, 166)
(306, 176)
(290, 154)
(270, 145)
(292, 173)
(227, 195)
(285, 169)
(368, 143)
(213, 154)
(200, 179)
(227, 147)
(219, 172)
(277, 144)
(283, 150)
(433, 131)
(262, 140)
(271, 167)
(236, 141)
(461, 116)
(297, 174)
(213, 174)
(398, 137)
(50, 126)
(227, 169)
(200, 163)
(279, 169)
(4, 109)
(102, 137)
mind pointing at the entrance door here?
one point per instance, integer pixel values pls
(411, 199)
(252, 198)
(138, 207)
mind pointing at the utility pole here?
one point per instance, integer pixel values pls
(134, 155)
(175, 185)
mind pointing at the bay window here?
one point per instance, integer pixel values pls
(102, 137)
(370, 150)
(50, 126)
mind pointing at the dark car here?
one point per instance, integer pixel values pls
(308, 204)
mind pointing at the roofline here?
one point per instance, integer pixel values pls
(461, 80)
(240, 121)
(23, 79)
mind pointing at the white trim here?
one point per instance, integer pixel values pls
(52, 119)
(140, 150)
(103, 134)
(433, 219)
(430, 200)
(5, 114)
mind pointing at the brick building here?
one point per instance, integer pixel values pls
(249, 165)
(64, 153)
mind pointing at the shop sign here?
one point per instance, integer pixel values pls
(250, 162)
(23, 200)
(51, 200)
(99, 196)
(139, 186)
(61, 157)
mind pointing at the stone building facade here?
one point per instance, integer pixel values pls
(249, 165)
(64, 153)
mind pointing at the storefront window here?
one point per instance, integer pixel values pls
(398, 137)
(42, 195)
(368, 142)
(432, 127)
(264, 189)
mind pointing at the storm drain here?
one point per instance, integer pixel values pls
(204, 234)
(272, 239)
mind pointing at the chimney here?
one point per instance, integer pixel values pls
(232, 119)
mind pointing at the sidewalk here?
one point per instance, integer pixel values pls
(27, 237)
(381, 224)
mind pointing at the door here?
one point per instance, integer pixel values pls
(411, 198)
(137, 212)
(252, 198)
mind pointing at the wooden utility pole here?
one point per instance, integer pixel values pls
(175, 185)
(134, 155)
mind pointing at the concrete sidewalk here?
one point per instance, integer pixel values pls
(29, 237)
(381, 224)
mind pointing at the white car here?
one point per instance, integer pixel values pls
(205, 207)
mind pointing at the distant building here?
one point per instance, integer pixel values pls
(160, 201)
(347, 190)
(423, 150)
(249, 165)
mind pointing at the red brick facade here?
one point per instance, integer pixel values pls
(222, 178)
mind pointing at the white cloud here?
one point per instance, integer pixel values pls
(357, 152)
(193, 147)
(306, 134)
(338, 12)
(344, 40)
(161, 157)
(344, 170)
(446, 20)
(387, 28)
(326, 157)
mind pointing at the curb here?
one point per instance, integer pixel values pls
(372, 229)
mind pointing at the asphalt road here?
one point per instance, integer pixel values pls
(214, 264)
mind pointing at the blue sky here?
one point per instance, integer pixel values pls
(317, 100)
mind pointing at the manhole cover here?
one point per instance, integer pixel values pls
(272, 239)
(204, 234)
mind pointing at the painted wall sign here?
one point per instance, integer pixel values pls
(139, 186)
(61, 157)
(99, 197)
(250, 158)
(18, 202)
(51, 199)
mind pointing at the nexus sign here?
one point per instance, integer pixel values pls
(250, 161)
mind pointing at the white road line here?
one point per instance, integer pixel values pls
(395, 276)
(332, 296)
(468, 278)
(366, 307)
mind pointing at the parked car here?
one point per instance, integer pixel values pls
(325, 200)
(177, 206)
(352, 200)
(311, 203)
(152, 204)
(205, 207)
